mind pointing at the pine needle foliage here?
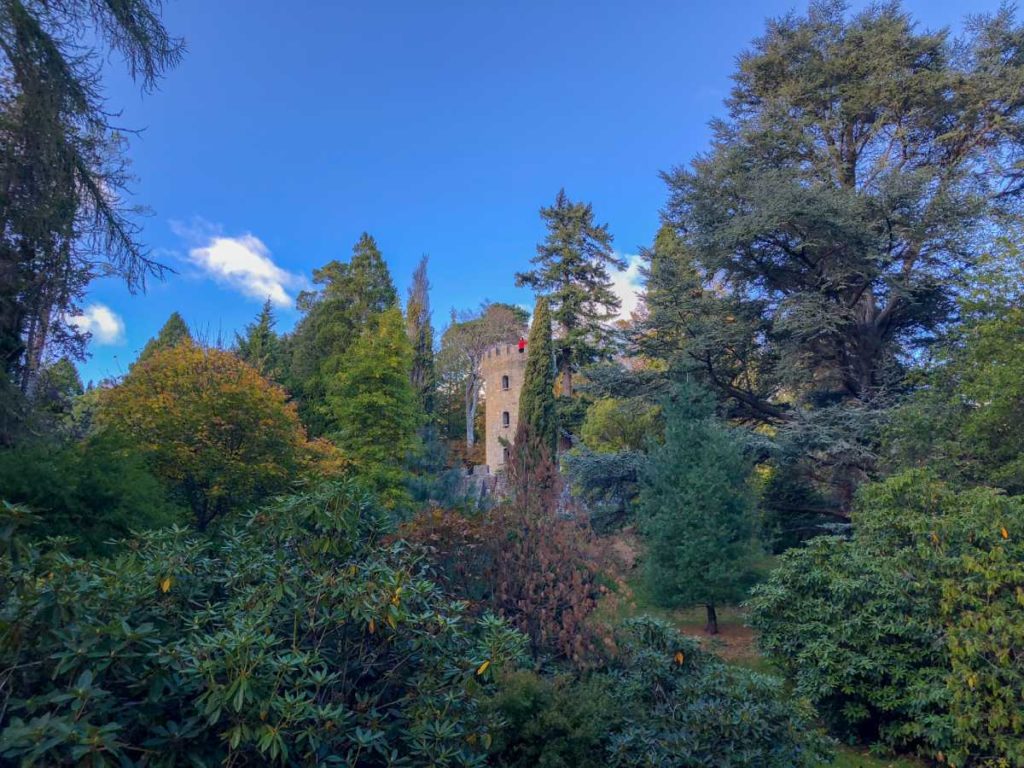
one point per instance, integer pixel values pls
(537, 398)
(697, 510)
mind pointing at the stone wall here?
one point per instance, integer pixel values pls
(503, 368)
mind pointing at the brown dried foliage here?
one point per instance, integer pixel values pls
(526, 561)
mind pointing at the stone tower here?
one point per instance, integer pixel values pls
(503, 368)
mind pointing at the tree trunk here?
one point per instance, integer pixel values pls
(567, 381)
(712, 626)
(472, 398)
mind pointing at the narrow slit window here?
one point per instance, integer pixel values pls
(504, 382)
(505, 419)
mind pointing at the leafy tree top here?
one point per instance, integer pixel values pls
(373, 405)
(219, 434)
(842, 198)
(171, 334)
(571, 270)
(350, 296)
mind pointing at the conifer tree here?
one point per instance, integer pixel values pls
(537, 399)
(260, 347)
(351, 296)
(421, 336)
(373, 405)
(696, 510)
(64, 216)
(861, 167)
(571, 269)
(171, 334)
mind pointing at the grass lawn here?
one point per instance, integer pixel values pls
(852, 757)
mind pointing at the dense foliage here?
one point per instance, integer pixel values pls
(92, 491)
(297, 636)
(350, 295)
(208, 425)
(696, 509)
(818, 245)
(830, 341)
(660, 701)
(966, 415)
(537, 397)
(905, 631)
(373, 405)
(571, 270)
(538, 571)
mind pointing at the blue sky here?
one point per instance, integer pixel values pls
(439, 127)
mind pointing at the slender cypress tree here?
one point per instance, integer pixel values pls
(537, 401)
(421, 336)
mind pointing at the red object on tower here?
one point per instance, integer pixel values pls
(522, 344)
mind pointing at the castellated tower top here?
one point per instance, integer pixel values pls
(503, 368)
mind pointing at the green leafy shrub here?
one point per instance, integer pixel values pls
(659, 701)
(92, 491)
(986, 646)
(684, 707)
(558, 722)
(902, 633)
(296, 637)
(619, 424)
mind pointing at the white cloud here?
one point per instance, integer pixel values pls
(99, 320)
(244, 264)
(627, 284)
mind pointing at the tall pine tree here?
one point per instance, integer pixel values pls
(64, 216)
(571, 269)
(537, 398)
(421, 336)
(696, 510)
(260, 347)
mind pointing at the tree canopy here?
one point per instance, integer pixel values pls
(571, 270)
(351, 294)
(819, 243)
(64, 215)
(219, 434)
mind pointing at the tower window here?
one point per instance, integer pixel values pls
(506, 419)
(504, 382)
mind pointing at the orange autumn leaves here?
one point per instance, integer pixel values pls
(212, 428)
